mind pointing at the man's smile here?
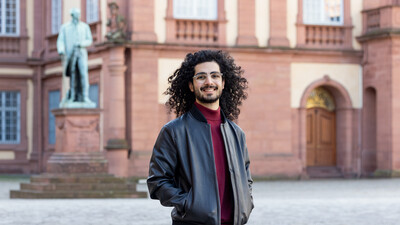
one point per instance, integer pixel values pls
(209, 88)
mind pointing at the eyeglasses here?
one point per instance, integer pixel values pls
(202, 76)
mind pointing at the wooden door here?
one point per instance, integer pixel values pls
(321, 137)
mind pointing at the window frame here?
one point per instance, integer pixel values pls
(323, 14)
(3, 109)
(55, 27)
(94, 88)
(195, 14)
(327, 34)
(3, 19)
(176, 33)
(51, 116)
(92, 8)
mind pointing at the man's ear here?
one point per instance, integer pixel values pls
(191, 86)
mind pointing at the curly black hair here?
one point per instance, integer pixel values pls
(181, 98)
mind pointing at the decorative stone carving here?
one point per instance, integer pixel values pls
(116, 24)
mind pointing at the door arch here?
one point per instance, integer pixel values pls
(320, 128)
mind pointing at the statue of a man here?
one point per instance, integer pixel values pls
(72, 41)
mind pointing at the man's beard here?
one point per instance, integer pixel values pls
(205, 98)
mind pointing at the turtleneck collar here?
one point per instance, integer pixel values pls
(209, 114)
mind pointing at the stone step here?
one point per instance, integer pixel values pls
(84, 185)
(76, 178)
(57, 187)
(328, 172)
(76, 194)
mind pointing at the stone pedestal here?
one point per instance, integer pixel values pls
(77, 168)
(77, 142)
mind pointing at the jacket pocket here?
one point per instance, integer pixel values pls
(247, 208)
(181, 212)
(188, 202)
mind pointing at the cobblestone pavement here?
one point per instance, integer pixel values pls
(341, 202)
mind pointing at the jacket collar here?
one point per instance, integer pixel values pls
(200, 117)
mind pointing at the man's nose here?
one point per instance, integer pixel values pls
(208, 80)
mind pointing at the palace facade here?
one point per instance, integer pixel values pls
(323, 91)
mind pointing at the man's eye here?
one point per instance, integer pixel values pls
(201, 77)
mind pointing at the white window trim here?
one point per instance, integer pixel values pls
(3, 20)
(92, 11)
(195, 4)
(321, 22)
(3, 108)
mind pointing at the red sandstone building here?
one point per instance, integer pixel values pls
(324, 94)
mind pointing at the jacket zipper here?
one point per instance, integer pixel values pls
(233, 178)
(216, 179)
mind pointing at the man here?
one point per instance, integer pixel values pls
(200, 163)
(72, 41)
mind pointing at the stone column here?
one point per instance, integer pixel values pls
(117, 145)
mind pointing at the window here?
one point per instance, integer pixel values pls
(54, 101)
(324, 12)
(55, 16)
(9, 117)
(196, 9)
(94, 93)
(92, 11)
(9, 17)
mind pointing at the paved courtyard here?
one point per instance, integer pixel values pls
(342, 202)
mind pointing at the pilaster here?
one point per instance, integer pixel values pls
(278, 33)
(246, 23)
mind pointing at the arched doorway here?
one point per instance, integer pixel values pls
(320, 129)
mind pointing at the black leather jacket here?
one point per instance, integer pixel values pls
(182, 170)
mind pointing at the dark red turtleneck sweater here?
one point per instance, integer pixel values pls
(221, 164)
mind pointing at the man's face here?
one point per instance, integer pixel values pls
(76, 15)
(207, 84)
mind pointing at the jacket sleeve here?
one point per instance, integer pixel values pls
(163, 164)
